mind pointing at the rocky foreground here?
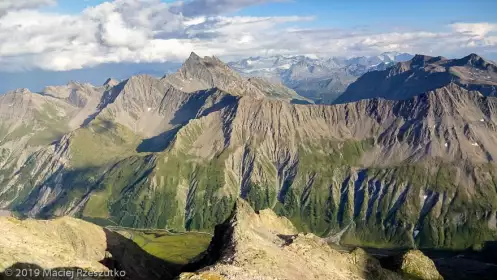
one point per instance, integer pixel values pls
(249, 245)
(69, 248)
(260, 245)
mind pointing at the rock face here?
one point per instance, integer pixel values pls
(261, 245)
(413, 172)
(68, 244)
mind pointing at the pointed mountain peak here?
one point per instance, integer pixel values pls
(473, 56)
(193, 57)
(210, 72)
(207, 61)
(473, 60)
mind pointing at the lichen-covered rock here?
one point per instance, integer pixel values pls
(416, 265)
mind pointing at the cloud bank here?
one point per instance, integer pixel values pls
(140, 31)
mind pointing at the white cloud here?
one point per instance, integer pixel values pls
(8, 5)
(153, 31)
(476, 30)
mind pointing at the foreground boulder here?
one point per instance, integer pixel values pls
(416, 265)
(413, 265)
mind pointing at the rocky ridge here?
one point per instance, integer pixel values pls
(422, 74)
(261, 245)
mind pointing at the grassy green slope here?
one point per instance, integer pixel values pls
(176, 248)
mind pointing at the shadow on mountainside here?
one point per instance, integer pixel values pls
(107, 98)
(73, 180)
(124, 259)
(197, 106)
(158, 143)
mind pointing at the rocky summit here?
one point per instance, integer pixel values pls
(176, 152)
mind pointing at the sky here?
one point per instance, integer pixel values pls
(79, 39)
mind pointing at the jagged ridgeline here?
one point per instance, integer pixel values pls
(176, 152)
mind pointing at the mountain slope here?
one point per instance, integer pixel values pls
(422, 74)
(383, 173)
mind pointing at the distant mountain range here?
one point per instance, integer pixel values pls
(422, 74)
(408, 162)
(319, 79)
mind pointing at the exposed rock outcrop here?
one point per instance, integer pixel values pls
(68, 244)
(413, 264)
(261, 245)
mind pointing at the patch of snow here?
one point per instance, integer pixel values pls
(446, 144)
(149, 109)
(416, 232)
(285, 66)
(312, 56)
(474, 144)
(482, 120)
(425, 197)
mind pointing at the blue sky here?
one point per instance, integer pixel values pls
(97, 34)
(354, 13)
(351, 13)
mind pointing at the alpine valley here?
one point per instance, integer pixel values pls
(406, 158)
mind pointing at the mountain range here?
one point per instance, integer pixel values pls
(422, 74)
(319, 79)
(409, 166)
